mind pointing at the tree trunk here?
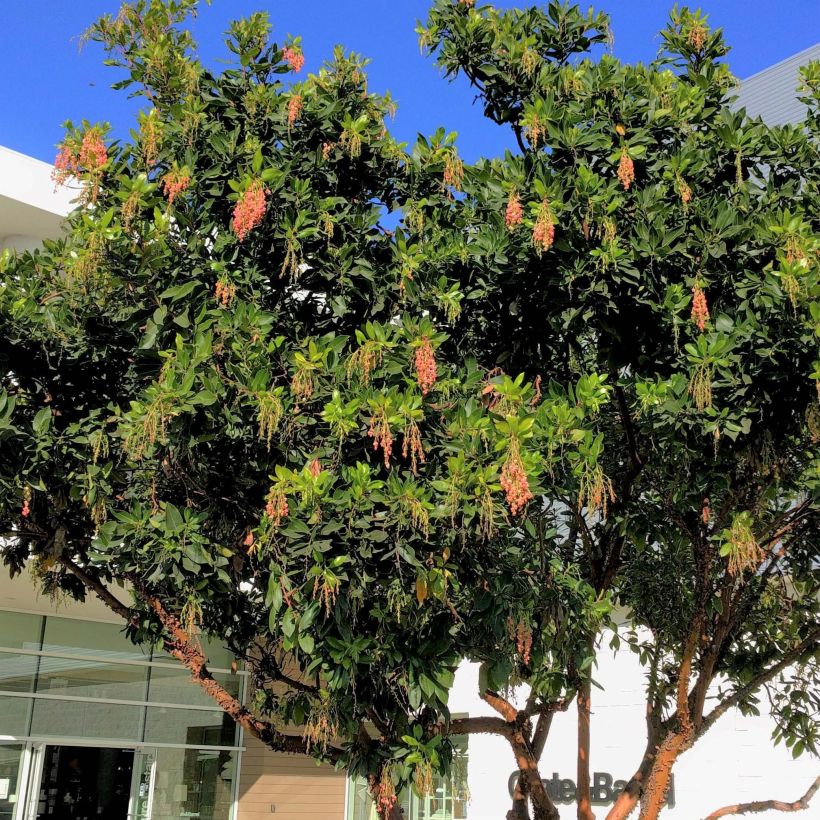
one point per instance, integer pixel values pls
(521, 805)
(657, 785)
(628, 799)
(583, 797)
(543, 807)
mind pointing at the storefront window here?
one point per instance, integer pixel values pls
(171, 685)
(11, 759)
(192, 727)
(447, 800)
(14, 715)
(70, 636)
(194, 783)
(92, 678)
(80, 719)
(20, 631)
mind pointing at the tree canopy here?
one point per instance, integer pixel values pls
(361, 411)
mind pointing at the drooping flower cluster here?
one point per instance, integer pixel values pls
(89, 156)
(700, 386)
(322, 725)
(697, 35)
(521, 632)
(684, 189)
(250, 209)
(453, 171)
(700, 309)
(425, 365)
(412, 446)
(151, 132)
(93, 151)
(543, 232)
(295, 105)
(294, 58)
(626, 170)
(514, 479)
(423, 778)
(174, 183)
(381, 434)
(595, 491)
(224, 292)
(25, 512)
(276, 506)
(743, 550)
(383, 792)
(315, 467)
(515, 213)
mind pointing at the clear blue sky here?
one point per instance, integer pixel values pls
(45, 79)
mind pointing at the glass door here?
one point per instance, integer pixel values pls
(29, 806)
(12, 774)
(142, 786)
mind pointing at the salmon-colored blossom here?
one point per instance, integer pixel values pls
(293, 57)
(626, 170)
(514, 480)
(700, 309)
(515, 213)
(425, 364)
(93, 152)
(250, 209)
(174, 183)
(295, 106)
(543, 232)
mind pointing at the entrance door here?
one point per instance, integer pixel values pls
(84, 783)
(142, 786)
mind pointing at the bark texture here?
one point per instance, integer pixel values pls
(757, 806)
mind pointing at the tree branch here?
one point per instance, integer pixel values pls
(766, 675)
(758, 806)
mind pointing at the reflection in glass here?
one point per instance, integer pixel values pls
(92, 678)
(17, 672)
(20, 631)
(11, 760)
(14, 715)
(192, 727)
(56, 718)
(193, 783)
(89, 638)
(169, 685)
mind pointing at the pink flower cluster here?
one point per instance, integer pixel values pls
(174, 183)
(91, 157)
(250, 209)
(294, 58)
(514, 213)
(426, 370)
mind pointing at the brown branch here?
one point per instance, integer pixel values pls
(187, 650)
(502, 706)
(766, 675)
(758, 806)
(96, 586)
(478, 726)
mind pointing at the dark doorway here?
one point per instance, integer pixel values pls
(82, 783)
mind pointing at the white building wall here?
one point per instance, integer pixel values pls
(734, 762)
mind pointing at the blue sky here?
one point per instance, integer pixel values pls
(45, 78)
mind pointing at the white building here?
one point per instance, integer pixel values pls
(82, 709)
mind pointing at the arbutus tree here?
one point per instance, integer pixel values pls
(576, 376)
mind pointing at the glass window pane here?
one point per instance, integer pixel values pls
(218, 656)
(17, 672)
(93, 679)
(193, 783)
(14, 715)
(11, 760)
(90, 638)
(193, 727)
(20, 631)
(170, 685)
(56, 718)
